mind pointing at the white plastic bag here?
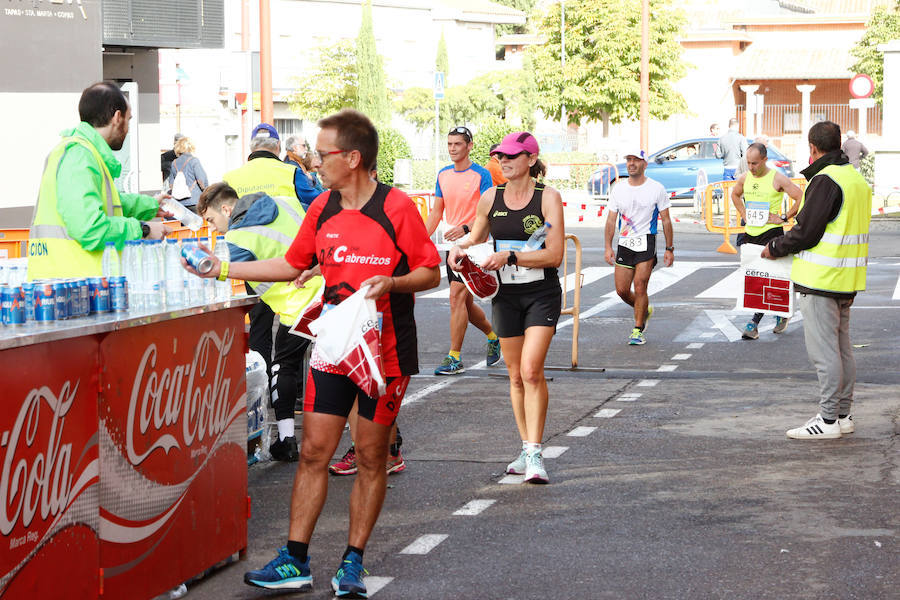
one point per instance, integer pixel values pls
(766, 284)
(348, 336)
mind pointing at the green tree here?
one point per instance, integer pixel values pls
(602, 76)
(442, 61)
(526, 6)
(489, 132)
(391, 146)
(331, 86)
(883, 26)
(372, 95)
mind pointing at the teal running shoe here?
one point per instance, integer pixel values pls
(284, 572)
(450, 366)
(348, 581)
(493, 352)
(637, 338)
(517, 467)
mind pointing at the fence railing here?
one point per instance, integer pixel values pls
(777, 120)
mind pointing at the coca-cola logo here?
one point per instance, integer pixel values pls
(39, 482)
(180, 405)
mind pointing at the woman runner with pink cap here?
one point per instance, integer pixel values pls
(526, 308)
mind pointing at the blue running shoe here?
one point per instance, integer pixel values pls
(637, 337)
(348, 581)
(450, 366)
(284, 572)
(493, 352)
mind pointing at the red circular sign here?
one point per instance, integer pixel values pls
(861, 86)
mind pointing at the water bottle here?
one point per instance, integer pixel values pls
(174, 275)
(223, 288)
(160, 258)
(209, 287)
(129, 262)
(189, 219)
(4, 272)
(537, 238)
(111, 264)
(151, 276)
(195, 290)
(13, 277)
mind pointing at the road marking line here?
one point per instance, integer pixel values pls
(474, 507)
(695, 345)
(667, 368)
(708, 334)
(581, 431)
(607, 413)
(436, 387)
(721, 322)
(373, 584)
(681, 357)
(728, 287)
(647, 382)
(553, 451)
(896, 295)
(512, 479)
(425, 543)
(631, 395)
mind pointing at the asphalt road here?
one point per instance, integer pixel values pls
(672, 476)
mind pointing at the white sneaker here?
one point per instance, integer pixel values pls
(846, 424)
(517, 467)
(534, 469)
(816, 429)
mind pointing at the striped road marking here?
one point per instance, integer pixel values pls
(667, 368)
(695, 345)
(607, 413)
(629, 397)
(681, 357)
(512, 479)
(474, 507)
(373, 584)
(553, 451)
(425, 543)
(581, 431)
(896, 295)
(647, 382)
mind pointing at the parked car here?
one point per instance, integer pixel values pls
(676, 167)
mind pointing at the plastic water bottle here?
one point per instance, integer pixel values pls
(160, 258)
(174, 275)
(195, 289)
(223, 288)
(111, 264)
(537, 238)
(14, 277)
(151, 276)
(209, 287)
(131, 260)
(189, 219)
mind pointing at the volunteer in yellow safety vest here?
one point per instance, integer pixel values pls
(830, 244)
(257, 227)
(762, 213)
(79, 208)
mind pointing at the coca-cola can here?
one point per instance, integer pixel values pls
(197, 258)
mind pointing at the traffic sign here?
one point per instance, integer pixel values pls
(438, 85)
(861, 86)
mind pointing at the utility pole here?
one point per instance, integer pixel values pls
(245, 49)
(562, 37)
(265, 63)
(645, 73)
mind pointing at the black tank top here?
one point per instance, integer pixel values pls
(512, 228)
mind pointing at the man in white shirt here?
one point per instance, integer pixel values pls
(634, 207)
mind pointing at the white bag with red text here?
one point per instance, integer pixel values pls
(765, 284)
(310, 313)
(348, 336)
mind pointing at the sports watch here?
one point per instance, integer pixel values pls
(783, 218)
(670, 248)
(512, 258)
(145, 229)
(465, 228)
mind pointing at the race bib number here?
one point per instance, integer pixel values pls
(636, 243)
(514, 274)
(757, 213)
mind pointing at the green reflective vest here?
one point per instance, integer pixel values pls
(838, 262)
(268, 175)
(51, 252)
(761, 192)
(270, 241)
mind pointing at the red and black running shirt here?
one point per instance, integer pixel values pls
(385, 237)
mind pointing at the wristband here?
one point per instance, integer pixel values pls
(465, 228)
(223, 271)
(670, 248)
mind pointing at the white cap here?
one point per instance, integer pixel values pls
(637, 154)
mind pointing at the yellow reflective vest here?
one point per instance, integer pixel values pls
(838, 262)
(263, 174)
(51, 252)
(761, 190)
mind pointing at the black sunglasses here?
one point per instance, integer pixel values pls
(501, 155)
(462, 131)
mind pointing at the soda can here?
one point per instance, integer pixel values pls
(99, 289)
(28, 289)
(60, 295)
(197, 258)
(44, 302)
(5, 303)
(84, 297)
(17, 307)
(118, 294)
(72, 299)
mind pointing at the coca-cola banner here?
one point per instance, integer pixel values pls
(172, 435)
(49, 490)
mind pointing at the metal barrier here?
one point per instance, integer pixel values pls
(423, 201)
(575, 309)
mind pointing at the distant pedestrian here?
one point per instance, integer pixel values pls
(187, 179)
(733, 146)
(854, 149)
(167, 158)
(830, 244)
(743, 167)
(493, 167)
(296, 153)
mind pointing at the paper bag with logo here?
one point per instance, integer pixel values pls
(482, 284)
(766, 285)
(348, 336)
(309, 314)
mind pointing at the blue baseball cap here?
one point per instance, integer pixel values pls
(264, 130)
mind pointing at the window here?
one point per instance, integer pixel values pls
(286, 127)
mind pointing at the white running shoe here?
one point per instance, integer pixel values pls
(846, 424)
(816, 429)
(517, 467)
(534, 469)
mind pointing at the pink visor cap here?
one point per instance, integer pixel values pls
(520, 141)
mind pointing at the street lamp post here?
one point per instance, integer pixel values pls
(645, 74)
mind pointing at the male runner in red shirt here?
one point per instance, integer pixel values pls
(361, 233)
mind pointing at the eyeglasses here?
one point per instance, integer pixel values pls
(501, 155)
(462, 131)
(320, 155)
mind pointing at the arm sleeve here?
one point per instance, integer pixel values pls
(302, 253)
(437, 187)
(200, 175)
(863, 151)
(306, 193)
(822, 204)
(487, 181)
(413, 240)
(662, 199)
(139, 206)
(79, 201)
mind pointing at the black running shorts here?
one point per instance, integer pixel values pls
(512, 314)
(335, 394)
(451, 274)
(628, 258)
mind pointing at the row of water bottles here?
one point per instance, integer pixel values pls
(156, 279)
